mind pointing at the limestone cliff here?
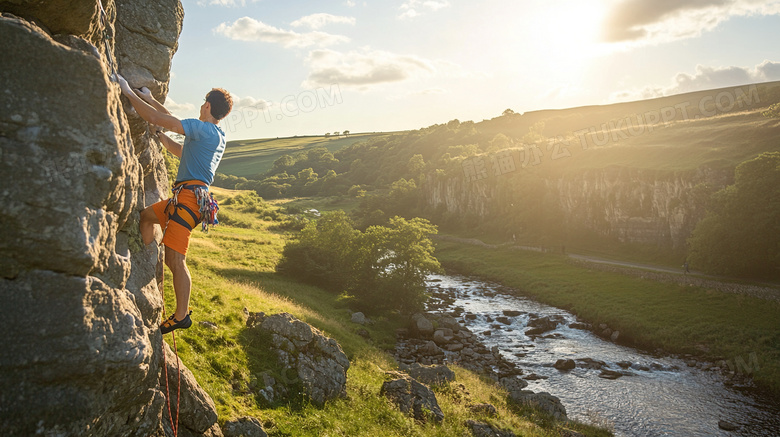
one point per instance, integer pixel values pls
(629, 204)
(81, 353)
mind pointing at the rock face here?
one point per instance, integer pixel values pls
(244, 427)
(633, 205)
(81, 352)
(318, 361)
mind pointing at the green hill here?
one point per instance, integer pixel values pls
(248, 158)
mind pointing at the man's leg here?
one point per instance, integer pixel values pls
(148, 220)
(182, 281)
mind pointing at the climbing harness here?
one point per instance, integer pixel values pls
(106, 39)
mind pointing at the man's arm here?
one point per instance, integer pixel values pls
(149, 113)
(170, 144)
(146, 94)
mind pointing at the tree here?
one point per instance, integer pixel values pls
(740, 235)
(346, 133)
(508, 111)
(327, 134)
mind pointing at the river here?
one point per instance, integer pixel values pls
(658, 396)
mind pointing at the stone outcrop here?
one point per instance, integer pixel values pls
(412, 397)
(480, 429)
(81, 352)
(313, 360)
(244, 427)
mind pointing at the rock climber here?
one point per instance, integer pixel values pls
(204, 144)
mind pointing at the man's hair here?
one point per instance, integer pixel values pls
(221, 103)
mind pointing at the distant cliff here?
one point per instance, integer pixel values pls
(632, 205)
(81, 352)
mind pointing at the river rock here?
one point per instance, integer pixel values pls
(450, 323)
(443, 336)
(541, 325)
(430, 375)
(470, 316)
(609, 374)
(421, 325)
(320, 364)
(565, 364)
(590, 363)
(410, 396)
(244, 427)
(503, 319)
(615, 335)
(512, 313)
(579, 325)
(513, 384)
(727, 426)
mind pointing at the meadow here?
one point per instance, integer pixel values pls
(233, 268)
(249, 158)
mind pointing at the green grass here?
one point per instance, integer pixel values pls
(649, 314)
(233, 268)
(251, 157)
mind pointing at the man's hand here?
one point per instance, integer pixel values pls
(124, 85)
(145, 93)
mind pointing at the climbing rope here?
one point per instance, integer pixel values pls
(106, 39)
(174, 427)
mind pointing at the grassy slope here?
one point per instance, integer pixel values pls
(651, 314)
(251, 157)
(232, 268)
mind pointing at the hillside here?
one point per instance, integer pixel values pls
(248, 158)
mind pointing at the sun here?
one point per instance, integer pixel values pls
(568, 32)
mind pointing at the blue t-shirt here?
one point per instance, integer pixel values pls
(204, 144)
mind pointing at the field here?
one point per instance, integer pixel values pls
(233, 268)
(248, 158)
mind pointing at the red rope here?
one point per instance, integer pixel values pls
(174, 427)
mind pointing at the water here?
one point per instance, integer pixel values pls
(667, 398)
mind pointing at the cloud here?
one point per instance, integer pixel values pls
(249, 29)
(414, 8)
(364, 69)
(178, 108)
(316, 21)
(705, 78)
(249, 102)
(349, 3)
(640, 22)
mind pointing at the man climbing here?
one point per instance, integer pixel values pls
(203, 147)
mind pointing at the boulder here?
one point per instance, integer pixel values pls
(430, 375)
(422, 326)
(614, 336)
(244, 427)
(480, 429)
(318, 362)
(543, 401)
(503, 319)
(197, 413)
(443, 336)
(410, 396)
(565, 364)
(541, 325)
(609, 374)
(486, 409)
(512, 313)
(359, 318)
(450, 323)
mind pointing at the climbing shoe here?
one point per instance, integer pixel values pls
(171, 324)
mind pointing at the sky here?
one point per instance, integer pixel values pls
(299, 67)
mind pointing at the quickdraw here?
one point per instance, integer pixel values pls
(106, 39)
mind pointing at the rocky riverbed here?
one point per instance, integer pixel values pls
(579, 368)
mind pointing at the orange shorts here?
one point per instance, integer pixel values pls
(180, 220)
